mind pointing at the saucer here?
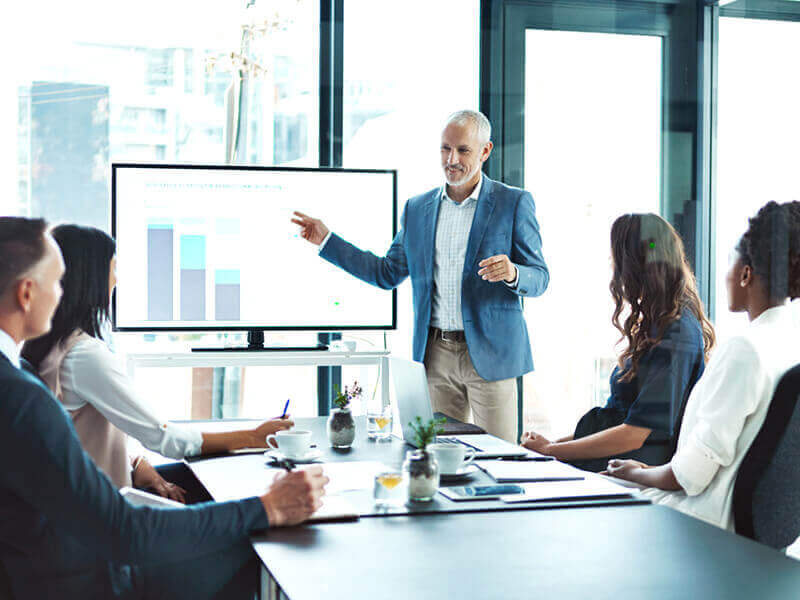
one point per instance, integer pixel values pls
(312, 455)
(462, 473)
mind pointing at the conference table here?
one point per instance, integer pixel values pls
(581, 549)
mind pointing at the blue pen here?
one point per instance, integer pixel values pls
(286, 406)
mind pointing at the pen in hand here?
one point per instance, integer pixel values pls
(285, 408)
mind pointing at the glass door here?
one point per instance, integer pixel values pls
(599, 108)
(592, 152)
(758, 126)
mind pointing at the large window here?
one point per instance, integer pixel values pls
(757, 134)
(98, 88)
(154, 83)
(399, 87)
(592, 153)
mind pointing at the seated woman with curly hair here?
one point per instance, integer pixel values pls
(729, 404)
(668, 339)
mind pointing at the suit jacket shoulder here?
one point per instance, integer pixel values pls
(420, 200)
(21, 379)
(503, 193)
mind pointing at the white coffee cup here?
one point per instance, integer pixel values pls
(451, 457)
(293, 443)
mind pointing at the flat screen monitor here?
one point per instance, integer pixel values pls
(207, 248)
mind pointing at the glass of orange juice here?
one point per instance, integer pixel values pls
(389, 489)
(379, 423)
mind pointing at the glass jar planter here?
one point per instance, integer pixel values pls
(422, 472)
(341, 428)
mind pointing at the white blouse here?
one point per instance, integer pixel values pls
(725, 412)
(92, 374)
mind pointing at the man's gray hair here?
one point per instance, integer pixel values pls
(482, 125)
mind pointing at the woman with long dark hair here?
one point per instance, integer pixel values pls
(76, 363)
(729, 404)
(659, 314)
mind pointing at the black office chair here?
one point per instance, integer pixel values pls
(766, 495)
(5, 584)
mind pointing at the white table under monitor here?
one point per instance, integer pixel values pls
(317, 358)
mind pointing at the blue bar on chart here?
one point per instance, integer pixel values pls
(193, 278)
(227, 294)
(159, 270)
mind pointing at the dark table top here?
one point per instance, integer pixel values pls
(642, 552)
(233, 477)
(634, 551)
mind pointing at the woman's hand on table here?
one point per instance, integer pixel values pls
(533, 441)
(629, 470)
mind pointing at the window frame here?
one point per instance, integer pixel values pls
(686, 103)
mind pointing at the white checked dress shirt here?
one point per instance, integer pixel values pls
(452, 235)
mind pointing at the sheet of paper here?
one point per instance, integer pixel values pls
(334, 508)
(348, 476)
(512, 471)
(591, 487)
(245, 475)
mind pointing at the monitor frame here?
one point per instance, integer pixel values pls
(247, 328)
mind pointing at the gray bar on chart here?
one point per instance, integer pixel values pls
(227, 307)
(193, 294)
(159, 274)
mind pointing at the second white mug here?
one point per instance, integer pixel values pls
(451, 457)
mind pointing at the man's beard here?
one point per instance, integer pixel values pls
(460, 177)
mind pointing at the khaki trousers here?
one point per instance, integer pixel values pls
(456, 389)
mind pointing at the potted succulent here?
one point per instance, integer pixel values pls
(341, 425)
(420, 465)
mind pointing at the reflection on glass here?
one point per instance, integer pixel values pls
(96, 85)
(592, 153)
(106, 88)
(758, 125)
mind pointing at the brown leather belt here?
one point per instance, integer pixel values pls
(448, 336)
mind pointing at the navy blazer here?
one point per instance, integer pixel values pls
(65, 532)
(504, 223)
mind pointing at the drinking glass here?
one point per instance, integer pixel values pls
(379, 423)
(389, 489)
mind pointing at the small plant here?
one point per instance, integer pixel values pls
(342, 399)
(425, 433)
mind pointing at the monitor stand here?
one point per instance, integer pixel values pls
(255, 343)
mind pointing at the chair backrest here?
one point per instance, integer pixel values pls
(5, 584)
(766, 496)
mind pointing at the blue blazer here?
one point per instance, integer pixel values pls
(504, 223)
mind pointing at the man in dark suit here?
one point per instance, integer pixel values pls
(65, 531)
(472, 249)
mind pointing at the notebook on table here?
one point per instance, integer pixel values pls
(514, 471)
(590, 488)
(334, 508)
